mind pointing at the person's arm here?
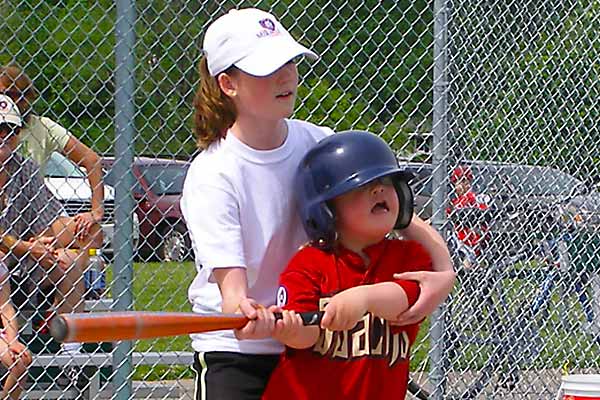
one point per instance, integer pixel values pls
(431, 240)
(300, 290)
(7, 311)
(18, 351)
(85, 157)
(9, 243)
(386, 300)
(435, 285)
(39, 249)
(233, 284)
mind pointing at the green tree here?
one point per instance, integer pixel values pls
(376, 63)
(525, 83)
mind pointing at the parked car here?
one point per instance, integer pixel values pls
(527, 201)
(69, 184)
(157, 191)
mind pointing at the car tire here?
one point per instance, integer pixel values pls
(176, 245)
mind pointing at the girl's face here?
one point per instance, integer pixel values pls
(270, 97)
(365, 215)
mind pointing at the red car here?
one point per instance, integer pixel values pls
(157, 191)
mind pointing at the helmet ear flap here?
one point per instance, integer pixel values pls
(406, 201)
(320, 224)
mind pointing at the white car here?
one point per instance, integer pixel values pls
(69, 184)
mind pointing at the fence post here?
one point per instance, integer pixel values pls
(124, 137)
(439, 155)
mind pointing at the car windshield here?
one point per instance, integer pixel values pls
(164, 179)
(526, 180)
(518, 179)
(58, 166)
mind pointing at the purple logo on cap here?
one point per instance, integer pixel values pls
(3, 105)
(267, 24)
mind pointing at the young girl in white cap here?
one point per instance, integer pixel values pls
(238, 199)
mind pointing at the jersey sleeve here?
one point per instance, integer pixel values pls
(415, 258)
(411, 288)
(212, 217)
(299, 285)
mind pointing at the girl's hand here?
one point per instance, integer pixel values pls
(261, 324)
(41, 250)
(435, 288)
(345, 309)
(287, 328)
(48, 241)
(83, 225)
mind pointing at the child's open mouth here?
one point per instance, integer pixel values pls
(380, 207)
(284, 95)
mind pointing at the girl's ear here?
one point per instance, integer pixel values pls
(227, 84)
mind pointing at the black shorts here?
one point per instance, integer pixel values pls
(222, 375)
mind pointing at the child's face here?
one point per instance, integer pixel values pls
(462, 186)
(270, 97)
(365, 215)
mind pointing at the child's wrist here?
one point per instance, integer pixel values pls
(367, 293)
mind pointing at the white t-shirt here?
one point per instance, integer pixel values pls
(239, 207)
(40, 137)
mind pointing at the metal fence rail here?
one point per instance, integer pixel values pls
(508, 89)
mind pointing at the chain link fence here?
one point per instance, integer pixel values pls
(506, 90)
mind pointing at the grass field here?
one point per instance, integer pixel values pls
(162, 287)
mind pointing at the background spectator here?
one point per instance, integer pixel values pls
(40, 136)
(31, 223)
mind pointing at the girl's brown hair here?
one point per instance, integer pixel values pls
(18, 86)
(215, 112)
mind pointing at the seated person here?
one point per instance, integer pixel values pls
(33, 234)
(14, 356)
(40, 136)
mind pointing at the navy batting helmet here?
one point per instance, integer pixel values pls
(338, 164)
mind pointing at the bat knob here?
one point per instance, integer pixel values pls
(58, 328)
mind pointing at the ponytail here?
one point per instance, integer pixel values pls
(214, 111)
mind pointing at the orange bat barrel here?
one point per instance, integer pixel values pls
(128, 325)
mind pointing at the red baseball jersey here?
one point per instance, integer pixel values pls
(369, 361)
(468, 236)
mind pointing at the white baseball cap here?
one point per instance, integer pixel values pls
(9, 113)
(252, 40)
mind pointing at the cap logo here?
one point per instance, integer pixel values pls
(267, 24)
(269, 28)
(4, 105)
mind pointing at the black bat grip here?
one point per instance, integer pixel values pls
(309, 318)
(418, 391)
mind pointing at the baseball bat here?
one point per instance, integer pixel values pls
(128, 325)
